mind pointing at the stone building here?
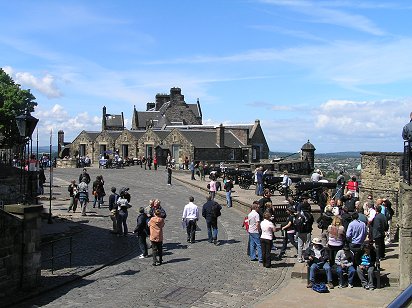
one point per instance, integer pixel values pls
(169, 109)
(170, 125)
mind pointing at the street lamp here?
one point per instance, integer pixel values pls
(26, 124)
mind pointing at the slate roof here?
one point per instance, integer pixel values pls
(114, 120)
(206, 139)
(92, 135)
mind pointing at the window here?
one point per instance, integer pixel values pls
(175, 151)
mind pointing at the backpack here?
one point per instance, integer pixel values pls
(302, 222)
(246, 223)
(289, 182)
(320, 287)
(215, 210)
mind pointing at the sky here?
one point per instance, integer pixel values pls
(337, 73)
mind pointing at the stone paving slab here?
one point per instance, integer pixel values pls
(107, 272)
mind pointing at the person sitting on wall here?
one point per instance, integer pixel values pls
(318, 258)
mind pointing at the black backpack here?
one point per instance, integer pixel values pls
(303, 222)
(215, 210)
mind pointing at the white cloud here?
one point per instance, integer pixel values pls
(45, 85)
(322, 13)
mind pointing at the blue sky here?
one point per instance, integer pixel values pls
(335, 72)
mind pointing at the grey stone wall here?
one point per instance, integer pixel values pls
(20, 256)
(380, 176)
(405, 238)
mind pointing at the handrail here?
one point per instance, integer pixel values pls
(53, 257)
(403, 299)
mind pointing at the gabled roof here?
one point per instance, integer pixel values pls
(137, 133)
(91, 135)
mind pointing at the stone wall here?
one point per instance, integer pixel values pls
(381, 176)
(20, 256)
(14, 182)
(405, 235)
(66, 163)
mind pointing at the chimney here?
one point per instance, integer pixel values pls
(220, 136)
(60, 141)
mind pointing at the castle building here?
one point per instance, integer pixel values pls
(172, 126)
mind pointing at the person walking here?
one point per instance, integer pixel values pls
(74, 196)
(122, 207)
(192, 170)
(286, 183)
(141, 231)
(169, 173)
(83, 195)
(212, 187)
(211, 211)
(190, 217)
(289, 231)
(228, 189)
(156, 225)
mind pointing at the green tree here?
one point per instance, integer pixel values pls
(14, 101)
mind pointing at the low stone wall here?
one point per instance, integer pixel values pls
(66, 163)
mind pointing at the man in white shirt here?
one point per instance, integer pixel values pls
(254, 236)
(316, 176)
(190, 217)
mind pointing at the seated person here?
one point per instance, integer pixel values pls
(318, 258)
(344, 262)
(366, 259)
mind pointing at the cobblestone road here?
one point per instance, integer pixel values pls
(193, 275)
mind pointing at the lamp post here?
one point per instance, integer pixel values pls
(26, 124)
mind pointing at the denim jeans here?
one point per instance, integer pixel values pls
(351, 273)
(289, 237)
(260, 189)
(229, 198)
(122, 217)
(254, 244)
(316, 266)
(212, 226)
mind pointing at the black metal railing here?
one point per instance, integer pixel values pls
(60, 254)
(407, 156)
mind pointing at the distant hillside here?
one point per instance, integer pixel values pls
(340, 154)
(320, 155)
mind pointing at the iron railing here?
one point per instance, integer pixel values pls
(53, 257)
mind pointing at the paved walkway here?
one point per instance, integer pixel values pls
(106, 272)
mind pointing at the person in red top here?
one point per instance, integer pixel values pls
(155, 162)
(353, 187)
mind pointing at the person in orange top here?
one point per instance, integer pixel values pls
(156, 225)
